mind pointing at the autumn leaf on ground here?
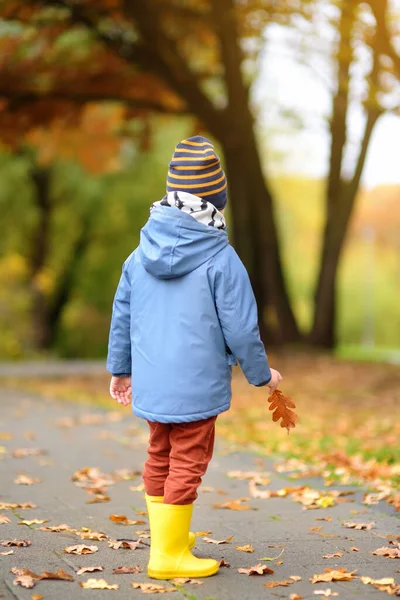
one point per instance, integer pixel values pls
(281, 405)
(270, 558)
(234, 505)
(273, 584)
(81, 549)
(296, 597)
(22, 452)
(152, 588)
(6, 553)
(359, 526)
(82, 570)
(201, 533)
(37, 597)
(127, 570)
(99, 536)
(25, 480)
(211, 541)
(258, 569)
(59, 574)
(246, 548)
(325, 593)
(4, 519)
(12, 505)
(57, 528)
(184, 580)
(334, 575)
(98, 584)
(98, 498)
(335, 555)
(354, 549)
(295, 577)
(388, 552)
(123, 520)
(387, 584)
(224, 563)
(33, 522)
(25, 580)
(329, 519)
(18, 543)
(125, 544)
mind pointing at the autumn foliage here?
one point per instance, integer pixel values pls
(282, 405)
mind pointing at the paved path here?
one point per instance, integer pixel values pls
(73, 440)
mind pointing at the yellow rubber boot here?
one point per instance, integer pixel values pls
(170, 556)
(150, 499)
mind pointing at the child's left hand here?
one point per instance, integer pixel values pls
(121, 390)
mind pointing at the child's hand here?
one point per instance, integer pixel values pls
(121, 390)
(276, 378)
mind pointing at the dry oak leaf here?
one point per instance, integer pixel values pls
(12, 505)
(246, 548)
(325, 593)
(184, 580)
(273, 584)
(386, 584)
(211, 541)
(126, 544)
(33, 522)
(388, 552)
(80, 549)
(59, 574)
(258, 569)
(127, 570)
(152, 588)
(4, 519)
(99, 536)
(18, 543)
(335, 555)
(6, 553)
(123, 520)
(98, 584)
(57, 528)
(281, 405)
(82, 570)
(359, 526)
(334, 575)
(25, 480)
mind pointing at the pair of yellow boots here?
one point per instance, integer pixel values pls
(171, 542)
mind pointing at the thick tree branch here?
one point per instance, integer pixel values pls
(384, 39)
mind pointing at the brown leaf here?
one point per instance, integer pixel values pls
(329, 519)
(246, 548)
(82, 570)
(126, 544)
(184, 580)
(37, 597)
(335, 555)
(315, 528)
(201, 533)
(6, 553)
(273, 584)
(25, 580)
(123, 520)
(22, 452)
(211, 541)
(258, 569)
(152, 588)
(295, 577)
(57, 528)
(4, 519)
(25, 480)
(33, 522)
(388, 552)
(98, 584)
(364, 526)
(325, 593)
(354, 548)
(99, 536)
(386, 584)
(281, 405)
(98, 498)
(59, 574)
(234, 505)
(334, 575)
(12, 505)
(295, 597)
(224, 563)
(18, 543)
(81, 549)
(127, 570)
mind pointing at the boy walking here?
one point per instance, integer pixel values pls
(183, 314)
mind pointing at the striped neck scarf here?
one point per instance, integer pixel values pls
(204, 212)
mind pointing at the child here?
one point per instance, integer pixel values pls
(184, 311)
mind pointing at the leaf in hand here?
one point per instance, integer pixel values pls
(281, 405)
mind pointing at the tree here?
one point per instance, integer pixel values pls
(186, 57)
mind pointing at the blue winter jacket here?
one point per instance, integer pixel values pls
(183, 312)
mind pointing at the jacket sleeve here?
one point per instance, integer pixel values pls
(119, 343)
(237, 313)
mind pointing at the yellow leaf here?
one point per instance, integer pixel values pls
(98, 584)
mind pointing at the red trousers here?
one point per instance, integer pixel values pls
(178, 457)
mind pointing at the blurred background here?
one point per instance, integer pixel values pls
(301, 98)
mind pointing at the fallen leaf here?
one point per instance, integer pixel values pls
(359, 526)
(258, 569)
(234, 505)
(270, 558)
(326, 593)
(57, 528)
(5, 435)
(59, 574)
(25, 580)
(127, 570)
(33, 522)
(82, 570)
(18, 543)
(201, 533)
(246, 548)
(4, 519)
(81, 549)
(224, 563)
(126, 544)
(99, 536)
(329, 519)
(6, 553)
(295, 577)
(315, 528)
(137, 488)
(22, 452)
(12, 505)
(388, 552)
(37, 597)
(335, 555)
(334, 575)
(386, 584)
(152, 588)
(123, 520)
(273, 584)
(211, 541)
(25, 480)
(354, 548)
(184, 580)
(279, 562)
(98, 584)
(295, 597)
(281, 405)
(98, 498)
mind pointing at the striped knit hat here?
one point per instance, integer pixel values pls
(195, 168)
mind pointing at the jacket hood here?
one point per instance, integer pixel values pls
(172, 243)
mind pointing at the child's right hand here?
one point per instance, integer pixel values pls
(276, 378)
